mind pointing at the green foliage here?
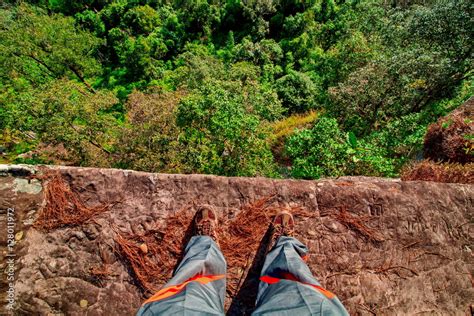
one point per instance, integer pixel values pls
(364, 99)
(319, 151)
(260, 53)
(197, 86)
(199, 68)
(92, 21)
(38, 47)
(141, 19)
(424, 60)
(148, 139)
(221, 136)
(297, 92)
(325, 150)
(65, 113)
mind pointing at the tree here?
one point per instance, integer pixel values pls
(149, 138)
(424, 61)
(64, 112)
(365, 99)
(199, 68)
(220, 136)
(297, 92)
(260, 53)
(382, 69)
(38, 46)
(444, 32)
(141, 19)
(319, 151)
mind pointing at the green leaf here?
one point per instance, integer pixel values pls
(352, 139)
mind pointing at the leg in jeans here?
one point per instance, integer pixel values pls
(198, 284)
(287, 286)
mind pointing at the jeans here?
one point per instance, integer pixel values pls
(287, 286)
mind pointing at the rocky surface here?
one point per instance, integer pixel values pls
(421, 261)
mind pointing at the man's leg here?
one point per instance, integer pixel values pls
(287, 286)
(198, 285)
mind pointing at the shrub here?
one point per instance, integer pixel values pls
(287, 126)
(325, 150)
(64, 112)
(451, 138)
(221, 135)
(320, 151)
(284, 128)
(370, 159)
(297, 92)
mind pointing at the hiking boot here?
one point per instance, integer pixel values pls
(283, 225)
(206, 222)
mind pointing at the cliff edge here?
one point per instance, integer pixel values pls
(384, 246)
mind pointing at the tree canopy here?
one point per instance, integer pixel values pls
(207, 86)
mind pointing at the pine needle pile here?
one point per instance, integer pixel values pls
(356, 223)
(153, 255)
(240, 237)
(63, 207)
(428, 170)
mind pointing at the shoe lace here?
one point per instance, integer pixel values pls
(206, 228)
(280, 230)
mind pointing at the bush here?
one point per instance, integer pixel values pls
(297, 92)
(320, 151)
(221, 135)
(452, 137)
(370, 159)
(325, 150)
(389, 148)
(65, 113)
(284, 128)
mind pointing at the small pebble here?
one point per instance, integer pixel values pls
(144, 248)
(83, 303)
(19, 236)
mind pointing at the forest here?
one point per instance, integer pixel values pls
(283, 88)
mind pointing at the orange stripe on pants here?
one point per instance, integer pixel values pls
(272, 280)
(175, 289)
